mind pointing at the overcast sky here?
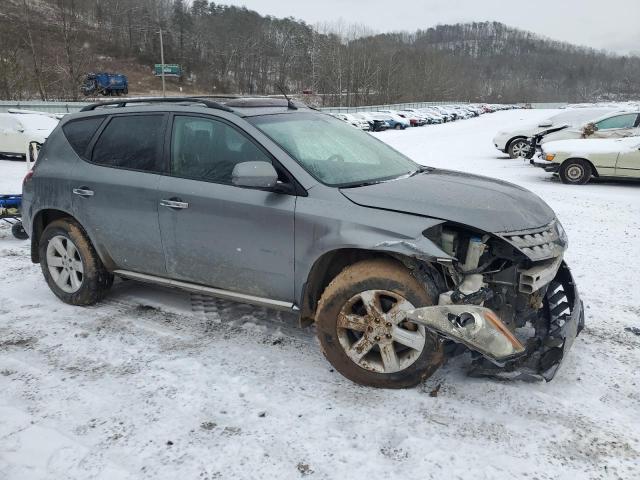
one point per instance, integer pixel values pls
(604, 24)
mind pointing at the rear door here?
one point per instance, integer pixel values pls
(115, 189)
(217, 234)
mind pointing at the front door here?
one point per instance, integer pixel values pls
(628, 164)
(217, 234)
(115, 191)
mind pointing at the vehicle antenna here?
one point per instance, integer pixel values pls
(290, 104)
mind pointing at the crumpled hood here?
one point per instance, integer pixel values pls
(480, 202)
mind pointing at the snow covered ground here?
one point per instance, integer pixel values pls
(158, 384)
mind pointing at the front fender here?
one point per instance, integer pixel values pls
(325, 227)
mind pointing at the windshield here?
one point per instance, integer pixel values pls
(332, 151)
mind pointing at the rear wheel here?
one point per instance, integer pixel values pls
(518, 148)
(72, 268)
(575, 171)
(398, 126)
(363, 332)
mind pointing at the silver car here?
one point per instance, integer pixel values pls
(271, 203)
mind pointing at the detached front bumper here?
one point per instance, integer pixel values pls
(506, 354)
(546, 166)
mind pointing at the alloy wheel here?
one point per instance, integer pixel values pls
(375, 335)
(65, 264)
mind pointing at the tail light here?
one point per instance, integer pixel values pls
(27, 177)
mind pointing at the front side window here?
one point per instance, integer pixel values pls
(208, 149)
(132, 141)
(619, 121)
(333, 152)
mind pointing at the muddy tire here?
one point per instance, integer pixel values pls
(575, 171)
(70, 265)
(360, 330)
(517, 148)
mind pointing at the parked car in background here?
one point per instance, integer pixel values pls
(357, 122)
(577, 161)
(19, 128)
(378, 124)
(612, 125)
(416, 117)
(515, 142)
(433, 116)
(394, 120)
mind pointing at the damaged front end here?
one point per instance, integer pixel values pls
(512, 301)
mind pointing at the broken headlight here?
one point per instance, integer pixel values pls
(562, 235)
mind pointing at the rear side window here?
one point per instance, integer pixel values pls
(80, 132)
(132, 142)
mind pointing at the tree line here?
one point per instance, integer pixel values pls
(46, 47)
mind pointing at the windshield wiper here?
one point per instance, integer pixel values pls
(380, 180)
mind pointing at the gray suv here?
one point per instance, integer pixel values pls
(269, 202)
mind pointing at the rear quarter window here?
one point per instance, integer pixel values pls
(80, 132)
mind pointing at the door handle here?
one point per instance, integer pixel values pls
(83, 192)
(174, 203)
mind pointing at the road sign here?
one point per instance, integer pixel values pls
(170, 70)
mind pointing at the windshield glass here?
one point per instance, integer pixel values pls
(334, 152)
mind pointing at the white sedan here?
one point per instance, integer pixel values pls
(17, 129)
(515, 141)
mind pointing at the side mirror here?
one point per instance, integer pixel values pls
(254, 174)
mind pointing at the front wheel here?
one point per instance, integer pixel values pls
(363, 333)
(70, 264)
(575, 171)
(518, 148)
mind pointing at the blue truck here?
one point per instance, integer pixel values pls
(108, 84)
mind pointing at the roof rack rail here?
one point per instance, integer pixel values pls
(124, 102)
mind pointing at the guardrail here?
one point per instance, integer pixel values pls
(40, 106)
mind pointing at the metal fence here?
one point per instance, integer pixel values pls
(70, 107)
(387, 106)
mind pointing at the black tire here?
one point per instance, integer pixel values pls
(96, 280)
(575, 171)
(398, 126)
(515, 147)
(376, 274)
(17, 229)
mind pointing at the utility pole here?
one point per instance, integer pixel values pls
(162, 62)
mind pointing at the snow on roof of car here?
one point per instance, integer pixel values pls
(34, 121)
(580, 115)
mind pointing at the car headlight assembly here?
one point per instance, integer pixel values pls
(549, 157)
(562, 234)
